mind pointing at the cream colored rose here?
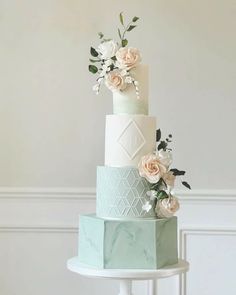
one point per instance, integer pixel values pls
(115, 81)
(167, 207)
(151, 168)
(169, 179)
(127, 57)
(107, 49)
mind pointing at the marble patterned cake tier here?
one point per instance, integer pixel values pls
(121, 193)
(127, 244)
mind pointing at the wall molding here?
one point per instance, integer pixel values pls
(64, 193)
(89, 193)
(184, 233)
(37, 229)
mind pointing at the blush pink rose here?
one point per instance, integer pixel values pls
(115, 81)
(167, 207)
(127, 58)
(151, 168)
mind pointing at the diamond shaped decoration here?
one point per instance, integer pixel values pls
(131, 139)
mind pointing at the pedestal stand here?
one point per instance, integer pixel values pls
(126, 276)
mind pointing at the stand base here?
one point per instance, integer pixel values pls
(125, 276)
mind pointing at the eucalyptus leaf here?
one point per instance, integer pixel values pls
(130, 28)
(94, 60)
(177, 172)
(135, 19)
(93, 52)
(119, 33)
(121, 18)
(162, 195)
(124, 42)
(158, 135)
(93, 69)
(162, 145)
(186, 184)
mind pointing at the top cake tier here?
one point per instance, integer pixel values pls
(134, 98)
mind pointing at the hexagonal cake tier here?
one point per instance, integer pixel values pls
(127, 244)
(121, 193)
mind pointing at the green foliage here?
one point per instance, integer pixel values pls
(93, 69)
(124, 42)
(94, 60)
(162, 195)
(186, 184)
(119, 33)
(177, 172)
(121, 18)
(93, 52)
(130, 28)
(135, 18)
(126, 28)
(162, 145)
(101, 35)
(158, 135)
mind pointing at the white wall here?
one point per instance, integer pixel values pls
(52, 130)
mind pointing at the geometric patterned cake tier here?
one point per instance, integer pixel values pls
(121, 193)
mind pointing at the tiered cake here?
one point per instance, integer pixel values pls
(134, 226)
(122, 234)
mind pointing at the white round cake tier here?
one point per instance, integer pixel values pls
(128, 138)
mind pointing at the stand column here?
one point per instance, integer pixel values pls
(125, 287)
(152, 287)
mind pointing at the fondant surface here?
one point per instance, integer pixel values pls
(121, 193)
(128, 138)
(126, 101)
(144, 244)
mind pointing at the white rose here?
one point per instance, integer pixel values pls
(169, 179)
(108, 49)
(167, 207)
(115, 81)
(151, 168)
(127, 57)
(165, 157)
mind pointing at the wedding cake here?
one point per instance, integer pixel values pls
(134, 226)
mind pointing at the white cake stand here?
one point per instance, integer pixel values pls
(125, 276)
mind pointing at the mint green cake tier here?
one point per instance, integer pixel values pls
(127, 244)
(126, 105)
(121, 193)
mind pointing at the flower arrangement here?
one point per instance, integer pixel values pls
(155, 167)
(113, 61)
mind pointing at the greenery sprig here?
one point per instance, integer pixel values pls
(126, 28)
(163, 144)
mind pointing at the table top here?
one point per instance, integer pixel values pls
(74, 265)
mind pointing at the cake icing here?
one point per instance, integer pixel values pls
(128, 138)
(121, 193)
(126, 102)
(128, 243)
